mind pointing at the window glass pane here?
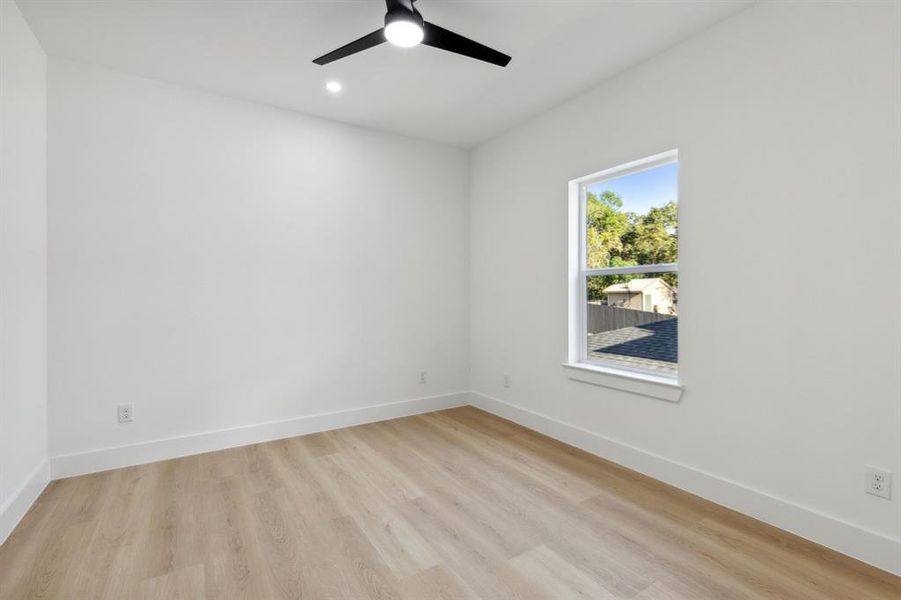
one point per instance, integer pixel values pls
(632, 321)
(633, 220)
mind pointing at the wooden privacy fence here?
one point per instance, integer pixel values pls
(604, 318)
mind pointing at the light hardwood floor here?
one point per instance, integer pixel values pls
(456, 504)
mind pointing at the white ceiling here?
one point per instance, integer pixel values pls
(262, 50)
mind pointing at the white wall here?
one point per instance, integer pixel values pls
(23, 275)
(220, 264)
(786, 118)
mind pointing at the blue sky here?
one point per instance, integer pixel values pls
(641, 191)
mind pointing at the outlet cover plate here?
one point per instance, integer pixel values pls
(878, 482)
(126, 413)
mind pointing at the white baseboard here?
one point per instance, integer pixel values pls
(104, 459)
(868, 546)
(19, 503)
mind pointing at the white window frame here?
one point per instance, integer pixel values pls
(578, 274)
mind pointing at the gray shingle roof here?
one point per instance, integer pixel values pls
(653, 346)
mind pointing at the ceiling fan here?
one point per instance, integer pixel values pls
(405, 27)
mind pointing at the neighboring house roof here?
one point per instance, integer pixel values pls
(635, 286)
(652, 346)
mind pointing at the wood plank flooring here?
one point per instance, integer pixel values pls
(456, 505)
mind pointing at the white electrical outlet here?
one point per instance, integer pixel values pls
(878, 482)
(506, 380)
(422, 377)
(126, 413)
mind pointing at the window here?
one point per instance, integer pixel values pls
(624, 275)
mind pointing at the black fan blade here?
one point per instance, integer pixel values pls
(438, 37)
(364, 43)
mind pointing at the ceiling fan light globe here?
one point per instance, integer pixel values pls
(403, 33)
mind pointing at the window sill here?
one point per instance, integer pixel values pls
(652, 386)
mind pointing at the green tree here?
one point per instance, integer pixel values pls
(606, 226)
(616, 238)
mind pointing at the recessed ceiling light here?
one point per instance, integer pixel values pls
(333, 86)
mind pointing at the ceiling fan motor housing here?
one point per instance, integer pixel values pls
(403, 11)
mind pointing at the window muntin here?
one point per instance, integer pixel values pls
(627, 288)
